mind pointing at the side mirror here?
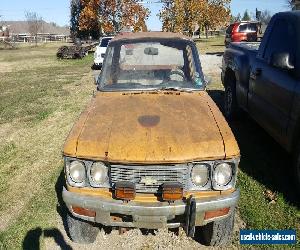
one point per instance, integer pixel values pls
(282, 60)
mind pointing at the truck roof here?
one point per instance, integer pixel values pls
(294, 13)
(143, 35)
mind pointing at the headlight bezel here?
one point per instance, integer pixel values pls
(194, 186)
(68, 162)
(87, 164)
(212, 185)
(233, 163)
(90, 177)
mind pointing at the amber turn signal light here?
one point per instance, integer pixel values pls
(84, 211)
(172, 191)
(216, 213)
(125, 190)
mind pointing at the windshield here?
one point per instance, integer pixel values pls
(151, 65)
(249, 27)
(104, 42)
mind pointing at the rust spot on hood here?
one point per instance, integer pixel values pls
(149, 121)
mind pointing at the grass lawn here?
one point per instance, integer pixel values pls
(213, 45)
(264, 168)
(40, 99)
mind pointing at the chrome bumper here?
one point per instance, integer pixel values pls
(145, 215)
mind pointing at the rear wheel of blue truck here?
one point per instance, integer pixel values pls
(231, 108)
(81, 231)
(217, 233)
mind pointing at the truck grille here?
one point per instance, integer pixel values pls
(148, 179)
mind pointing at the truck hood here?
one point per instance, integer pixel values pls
(164, 127)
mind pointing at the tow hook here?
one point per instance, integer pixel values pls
(190, 217)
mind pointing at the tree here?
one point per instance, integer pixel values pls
(291, 4)
(75, 8)
(232, 19)
(35, 23)
(167, 15)
(215, 13)
(184, 15)
(112, 16)
(179, 15)
(246, 16)
(265, 17)
(88, 18)
(236, 18)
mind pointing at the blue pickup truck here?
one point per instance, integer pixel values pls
(264, 81)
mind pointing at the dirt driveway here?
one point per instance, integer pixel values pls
(134, 239)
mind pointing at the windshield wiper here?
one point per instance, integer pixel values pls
(176, 89)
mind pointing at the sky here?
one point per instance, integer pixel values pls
(58, 10)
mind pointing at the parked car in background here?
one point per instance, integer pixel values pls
(242, 32)
(100, 52)
(152, 150)
(264, 81)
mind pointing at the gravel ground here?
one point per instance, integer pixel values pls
(211, 64)
(134, 239)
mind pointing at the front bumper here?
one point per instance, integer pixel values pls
(147, 215)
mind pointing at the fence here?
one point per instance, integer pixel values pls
(40, 38)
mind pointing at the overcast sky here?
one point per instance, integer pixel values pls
(58, 10)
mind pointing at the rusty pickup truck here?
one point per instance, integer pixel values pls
(151, 150)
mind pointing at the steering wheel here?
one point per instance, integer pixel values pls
(177, 72)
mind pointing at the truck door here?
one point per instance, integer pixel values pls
(271, 89)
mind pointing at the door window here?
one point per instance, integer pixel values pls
(282, 39)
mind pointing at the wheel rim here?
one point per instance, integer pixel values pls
(228, 101)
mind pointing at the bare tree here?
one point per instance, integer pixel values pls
(290, 3)
(35, 23)
(265, 17)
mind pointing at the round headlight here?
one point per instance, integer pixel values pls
(223, 174)
(200, 175)
(77, 172)
(98, 173)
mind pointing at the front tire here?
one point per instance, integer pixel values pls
(81, 231)
(217, 233)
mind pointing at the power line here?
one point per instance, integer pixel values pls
(39, 9)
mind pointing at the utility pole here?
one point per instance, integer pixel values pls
(257, 14)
